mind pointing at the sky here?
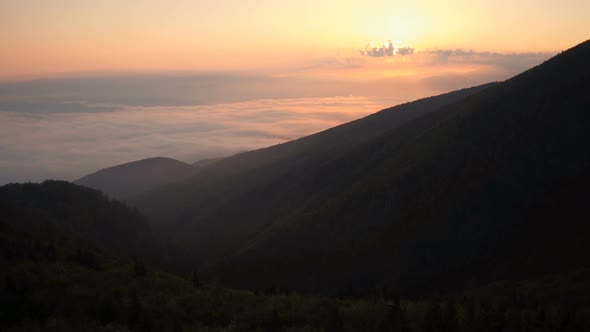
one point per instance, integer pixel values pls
(88, 84)
(48, 37)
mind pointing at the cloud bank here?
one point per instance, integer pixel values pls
(67, 145)
(510, 61)
(67, 127)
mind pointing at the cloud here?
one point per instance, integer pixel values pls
(162, 89)
(483, 55)
(407, 50)
(455, 52)
(332, 63)
(512, 61)
(502, 64)
(388, 49)
(67, 127)
(45, 107)
(68, 145)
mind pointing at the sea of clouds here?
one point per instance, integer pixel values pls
(67, 127)
(41, 140)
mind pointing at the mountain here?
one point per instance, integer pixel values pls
(137, 177)
(66, 266)
(206, 162)
(58, 212)
(71, 261)
(459, 189)
(485, 193)
(221, 208)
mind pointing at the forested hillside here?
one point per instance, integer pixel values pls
(57, 211)
(65, 269)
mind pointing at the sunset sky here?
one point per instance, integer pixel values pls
(90, 84)
(71, 36)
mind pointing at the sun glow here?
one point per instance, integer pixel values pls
(41, 37)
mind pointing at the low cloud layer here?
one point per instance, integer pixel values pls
(65, 128)
(67, 145)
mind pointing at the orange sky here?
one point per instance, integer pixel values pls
(41, 38)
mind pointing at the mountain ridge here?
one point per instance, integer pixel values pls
(256, 169)
(449, 138)
(134, 178)
(354, 201)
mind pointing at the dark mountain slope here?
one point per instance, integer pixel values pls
(206, 162)
(58, 211)
(490, 187)
(138, 177)
(65, 265)
(60, 273)
(223, 207)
